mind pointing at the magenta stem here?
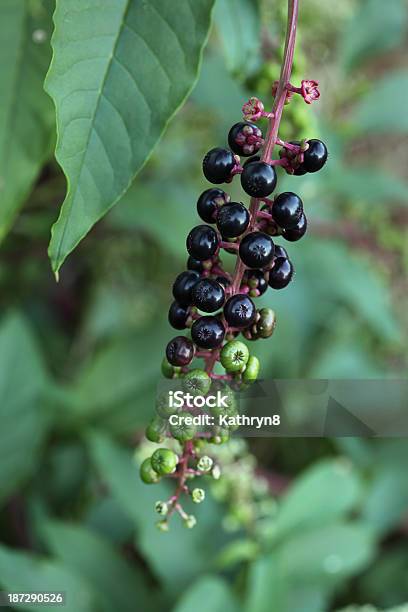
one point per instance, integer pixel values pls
(286, 71)
(270, 141)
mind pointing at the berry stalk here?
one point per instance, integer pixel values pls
(216, 306)
(286, 71)
(272, 133)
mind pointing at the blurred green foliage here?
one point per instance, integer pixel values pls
(80, 360)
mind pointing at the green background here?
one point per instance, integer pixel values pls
(304, 525)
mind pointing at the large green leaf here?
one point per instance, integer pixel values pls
(270, 590)
(116, 388)
(22, 419)
(24, 572)
(26, 114)
(120, 70)
(321, 495)
(94, 559)
(209, 594)
(328, 554)
(383, 110)
(372, 30)
(238, 25)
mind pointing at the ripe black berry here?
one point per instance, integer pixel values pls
(258, 179)
(208, 295)
(218, 164)
(255, 279)
(281, 273)
(245, 138)
(287, 209)
(178, 314)
(256, 250)
(296, 233)
(202, 242)
(208, 203)
(252, 159)
(239, 311)
(183, 285)
(279, 251)
(208, 332)
(233, 219)
(315, 157)
(194, 264)
(180, 351)
(223, 281)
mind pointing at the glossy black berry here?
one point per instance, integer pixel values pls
(245, 138)
(178, 314)
(300, 170)
(183, 285)
(218, 164)
(194, 264)
(239, 310)
(281, 273)
(223, 281)
(208, 295)
(256, 250)
(258, 179)
(287, 209)
(252, 159)
(209, 202)
(315, 157)
(208, 332)
(296, 233)
(255, 279)
(180, 351)
(233, 219)
(202, 242)
(279, 251)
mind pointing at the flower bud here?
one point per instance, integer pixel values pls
(205, 463)
(190, 521)
(161, 508)
(198, 495)
(216, 472)
(162, 525)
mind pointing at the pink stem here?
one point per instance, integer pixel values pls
(286, 70)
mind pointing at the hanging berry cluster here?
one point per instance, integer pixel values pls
(217, 306)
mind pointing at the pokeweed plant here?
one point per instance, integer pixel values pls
(216, 305)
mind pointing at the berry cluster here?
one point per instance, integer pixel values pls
(214, 305)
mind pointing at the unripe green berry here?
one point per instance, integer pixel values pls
(181, 430)
(230, 401)
(164, 461)
(252, 369)
(156, 429)
(190, 521)
(234, 356)
(205, 463)
(266, 323)
(162, 525)
(161, 508)
(221, 435)
(196, 382)
(216, 472)
(198, 495)
(168, 370)
(147, 473)
(163, 405)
